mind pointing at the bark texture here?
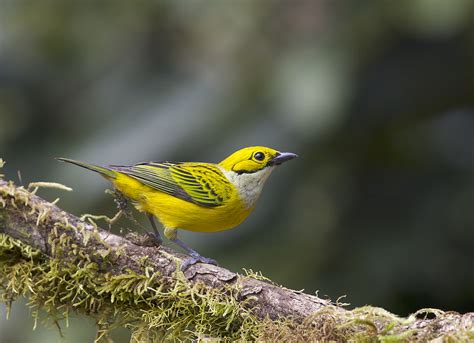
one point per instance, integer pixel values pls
(39, 224)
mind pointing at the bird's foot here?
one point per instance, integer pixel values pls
(193, 259)
(147, 240)
(154, 238)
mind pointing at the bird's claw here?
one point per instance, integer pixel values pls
(154, 238)
(196, 259)
(147, 240)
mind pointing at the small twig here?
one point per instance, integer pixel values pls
(54, 185)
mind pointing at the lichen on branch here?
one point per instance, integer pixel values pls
(64, 265)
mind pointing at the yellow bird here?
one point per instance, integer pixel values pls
(195, 196)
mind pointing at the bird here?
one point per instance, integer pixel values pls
(194, 196)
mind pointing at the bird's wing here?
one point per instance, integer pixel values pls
(200, 183)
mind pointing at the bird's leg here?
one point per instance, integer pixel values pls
(122, 205)
(155, 234)
(194, 258)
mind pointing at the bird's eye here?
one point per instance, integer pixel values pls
(259, 156)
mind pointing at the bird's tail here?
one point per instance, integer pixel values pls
(101, 170)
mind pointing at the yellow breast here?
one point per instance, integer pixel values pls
(175, 213)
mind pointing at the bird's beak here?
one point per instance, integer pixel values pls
(281, 157)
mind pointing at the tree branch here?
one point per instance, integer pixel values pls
(77, 245)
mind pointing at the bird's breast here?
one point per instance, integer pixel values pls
(174, 212)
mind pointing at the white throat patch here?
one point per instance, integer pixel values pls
(249, 185)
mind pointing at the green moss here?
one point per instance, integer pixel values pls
(155, 307)
(140, 302)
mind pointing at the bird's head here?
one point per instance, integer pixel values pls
(249, 168)
(253, 159)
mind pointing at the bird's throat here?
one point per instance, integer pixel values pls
(249, 185)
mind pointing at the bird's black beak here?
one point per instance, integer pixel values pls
(281, 157)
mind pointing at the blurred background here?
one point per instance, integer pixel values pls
(377, 98)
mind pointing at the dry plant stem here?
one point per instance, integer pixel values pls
(40, 225)
(267, 299)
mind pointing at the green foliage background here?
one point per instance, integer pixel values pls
(375, 96)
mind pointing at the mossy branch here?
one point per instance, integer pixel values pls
(65, 265)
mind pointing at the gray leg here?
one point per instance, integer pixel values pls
(194, 258)
(155, 234)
